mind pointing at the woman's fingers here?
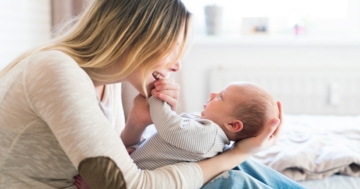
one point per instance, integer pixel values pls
(130, 150)
(281, 117)
(267, 135)
(276, 124)
(271, 130)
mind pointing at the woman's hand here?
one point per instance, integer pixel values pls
(268, 137)
(167, 90)
(80, 183)
(137, 121)
(130, 150)
(243, 149)
(140, 113)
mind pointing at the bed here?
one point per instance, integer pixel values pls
(320, 143)
(318, 151)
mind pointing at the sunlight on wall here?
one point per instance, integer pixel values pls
(23, 25)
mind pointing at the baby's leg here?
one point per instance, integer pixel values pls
(234, 179)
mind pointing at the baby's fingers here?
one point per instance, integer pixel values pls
(169, 99)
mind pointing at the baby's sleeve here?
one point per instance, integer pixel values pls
(185, 133)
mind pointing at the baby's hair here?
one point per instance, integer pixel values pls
(254, 111)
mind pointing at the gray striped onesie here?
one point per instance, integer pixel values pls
(179, 138)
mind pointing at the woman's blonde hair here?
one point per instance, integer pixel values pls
(144, 30)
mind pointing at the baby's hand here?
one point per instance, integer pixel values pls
(167, 90)
(80, 183)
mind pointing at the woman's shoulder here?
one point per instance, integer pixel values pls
(51, 57)
(54, 62)
(51, 66)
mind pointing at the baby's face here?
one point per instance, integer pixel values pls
(219, 107)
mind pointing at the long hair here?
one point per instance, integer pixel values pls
(144, 30)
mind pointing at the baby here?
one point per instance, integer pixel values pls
(238, 112)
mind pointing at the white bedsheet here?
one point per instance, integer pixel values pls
(316, 147)
(333, 182)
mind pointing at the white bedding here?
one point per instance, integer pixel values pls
(324, 145)
(333, 182)
(316, 147)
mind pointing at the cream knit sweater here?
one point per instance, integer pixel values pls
(50, 120)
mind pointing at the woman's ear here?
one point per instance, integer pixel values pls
(235, 126)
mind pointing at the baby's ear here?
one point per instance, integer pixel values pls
(235, 126)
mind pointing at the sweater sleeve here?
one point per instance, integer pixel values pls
(63, 96)
(185, 133)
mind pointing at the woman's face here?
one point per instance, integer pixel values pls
(163, 69)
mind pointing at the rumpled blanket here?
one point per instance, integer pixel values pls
(315, 147)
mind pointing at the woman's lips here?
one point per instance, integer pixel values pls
(157, 76)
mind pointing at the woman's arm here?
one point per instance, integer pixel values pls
(138, 120)
(243, 149)
(63, 96)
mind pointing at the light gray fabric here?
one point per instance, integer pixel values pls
(333, 182)
(316, 147)
(179, 138)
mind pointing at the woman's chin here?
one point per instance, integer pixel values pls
(149, 87)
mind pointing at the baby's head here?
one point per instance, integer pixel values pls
(241, 110)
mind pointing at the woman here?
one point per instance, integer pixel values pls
(54, 125)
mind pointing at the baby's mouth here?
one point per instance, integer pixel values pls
(157, 76)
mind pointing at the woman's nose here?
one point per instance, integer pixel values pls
(176, 67)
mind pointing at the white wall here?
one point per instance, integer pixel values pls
(255, 53)
(23, 25)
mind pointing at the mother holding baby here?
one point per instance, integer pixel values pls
(61, 112)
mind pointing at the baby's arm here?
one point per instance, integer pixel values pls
(187, 134)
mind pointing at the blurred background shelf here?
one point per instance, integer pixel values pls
(275, 40)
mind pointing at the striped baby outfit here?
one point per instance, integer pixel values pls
(179, 138)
